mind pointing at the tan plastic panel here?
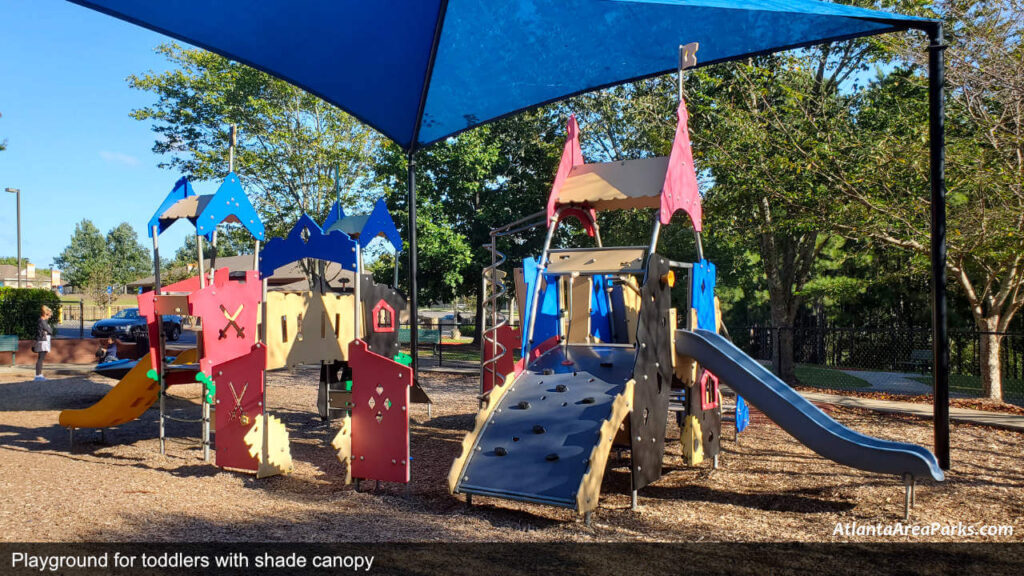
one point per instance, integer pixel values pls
(579, 316)
(616, 185)
(607, 261)
(327, 328)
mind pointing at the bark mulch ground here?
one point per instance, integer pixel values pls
(768, 487)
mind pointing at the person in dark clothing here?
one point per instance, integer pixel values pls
(43, 335)
(108, 352)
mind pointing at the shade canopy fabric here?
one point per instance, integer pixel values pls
(419, 71)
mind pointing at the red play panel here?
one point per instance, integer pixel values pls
(239, 395)
(511, 339)
(380, 417)
(229, 311)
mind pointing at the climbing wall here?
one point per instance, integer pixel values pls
(545, 434)
(652, 374)
(380, 416)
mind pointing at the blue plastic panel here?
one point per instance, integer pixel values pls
(703, 295)
(229, 201)
(182, 189)
(547, 310)
(335, 246)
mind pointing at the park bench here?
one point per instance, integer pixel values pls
(9, 343)
(919, 361)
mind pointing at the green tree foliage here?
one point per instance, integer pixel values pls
(13, 260)
(881, 170)
(92, 261)
(129, 259)
(290, 143)
(481, 179)
(84, 260)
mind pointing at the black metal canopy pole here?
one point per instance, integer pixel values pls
(937, 153)
(413, 303)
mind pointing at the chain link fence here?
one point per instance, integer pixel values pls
(893, 360)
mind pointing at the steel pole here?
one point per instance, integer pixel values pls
(937, 152)
(18, 203)
(413, 302)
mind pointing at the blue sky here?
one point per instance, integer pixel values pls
(72, 148)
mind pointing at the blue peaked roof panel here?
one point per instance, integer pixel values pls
(479, 60)
(230, 203)
(307, 240)
(182, 189)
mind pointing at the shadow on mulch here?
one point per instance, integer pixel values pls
(51, 394)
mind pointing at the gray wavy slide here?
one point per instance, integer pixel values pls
(797, 416)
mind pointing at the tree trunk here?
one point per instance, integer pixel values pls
(782, 352)
(991, 365)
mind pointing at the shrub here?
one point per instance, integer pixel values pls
(20, 307)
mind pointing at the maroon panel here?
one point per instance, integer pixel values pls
(511, 339)
(239, 395)
(380, 417)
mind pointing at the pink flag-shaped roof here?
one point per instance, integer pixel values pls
(680, 191)
(571, 156)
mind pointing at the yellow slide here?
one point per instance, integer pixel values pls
(128, 400)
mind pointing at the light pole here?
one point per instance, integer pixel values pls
(17, 193)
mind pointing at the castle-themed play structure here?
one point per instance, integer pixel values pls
(604, 355)
(351, 332)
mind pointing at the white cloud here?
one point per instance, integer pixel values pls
(119, 158)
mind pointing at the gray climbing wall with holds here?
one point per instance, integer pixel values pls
(536, 443)
(653, 375)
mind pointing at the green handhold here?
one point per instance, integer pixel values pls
(348, 385)
(152, 375)
(403, 358)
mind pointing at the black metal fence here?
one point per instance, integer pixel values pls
(887, 360)
(448, 345)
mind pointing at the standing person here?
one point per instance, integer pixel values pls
(43, 335)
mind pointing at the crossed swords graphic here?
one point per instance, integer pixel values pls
(238, 412)
(239, 331)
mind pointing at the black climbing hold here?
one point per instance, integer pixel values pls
(548, 371)
(515, 438)
(561, 388)
(587, 400)
(565, 403)
(538, 429)
(499, 451)
(606, 364)
(524, 405)
(551, 457)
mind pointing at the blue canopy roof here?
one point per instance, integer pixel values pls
(419, 71)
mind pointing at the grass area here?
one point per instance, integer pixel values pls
(1013, 389)
(820, 377)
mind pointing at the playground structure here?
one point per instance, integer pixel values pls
(244, 330)
(605, 357)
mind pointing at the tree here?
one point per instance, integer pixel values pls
(294, 150)
(129, 259)
(481, 179)
(85, 262)
(883, 180)
(13, 261)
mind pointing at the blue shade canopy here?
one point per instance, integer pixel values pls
(419, 71)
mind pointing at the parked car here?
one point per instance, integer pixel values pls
(129, 325)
